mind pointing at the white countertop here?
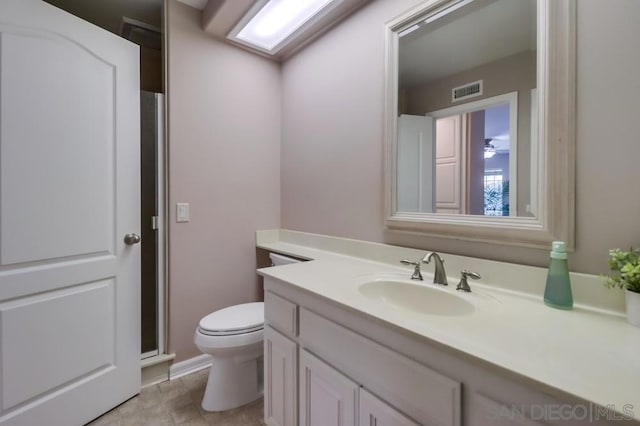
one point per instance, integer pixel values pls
(593, 354)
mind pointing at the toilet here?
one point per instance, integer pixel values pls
(233, 338)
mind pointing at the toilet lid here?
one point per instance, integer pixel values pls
(236, 319)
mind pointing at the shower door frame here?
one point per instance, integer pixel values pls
(160, 352)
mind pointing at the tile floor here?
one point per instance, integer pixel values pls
(177, 402)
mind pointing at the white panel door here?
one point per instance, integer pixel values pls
(69, 192)
(415, 164)
(375, 412)
(327, 397)
(449, 165)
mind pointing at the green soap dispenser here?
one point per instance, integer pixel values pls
(557, 292)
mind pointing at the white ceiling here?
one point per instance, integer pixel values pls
(108, 13)
(479, 33)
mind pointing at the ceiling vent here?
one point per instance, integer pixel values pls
(140, 33)
(470, 90)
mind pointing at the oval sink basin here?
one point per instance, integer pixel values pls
(418, 298)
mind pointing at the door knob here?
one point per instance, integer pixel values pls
(131, 239)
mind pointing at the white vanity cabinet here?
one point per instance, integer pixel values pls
(330, 365)
(343, 378)
(411, 387)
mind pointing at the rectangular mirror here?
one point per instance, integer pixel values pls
(480, 118)
(466, 77)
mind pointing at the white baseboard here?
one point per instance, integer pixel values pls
(189, 366)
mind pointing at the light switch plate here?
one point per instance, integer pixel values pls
(182, 212)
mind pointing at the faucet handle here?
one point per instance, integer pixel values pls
(469, 274)
(463, 285)
(417, 275)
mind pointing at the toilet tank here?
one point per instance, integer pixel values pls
(278, 259)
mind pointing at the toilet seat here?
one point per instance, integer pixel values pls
(229, 333)
(207, 342)
(234, 320)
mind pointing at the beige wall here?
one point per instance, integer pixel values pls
(332, 146)
(332, 100)
(224, 150)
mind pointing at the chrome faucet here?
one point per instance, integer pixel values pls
(416, 271)
(439, 274)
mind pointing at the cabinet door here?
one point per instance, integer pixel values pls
(375, 412)
(280, 369)
(326, 396)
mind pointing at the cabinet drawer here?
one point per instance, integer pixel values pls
(415, 389)
(281, 314)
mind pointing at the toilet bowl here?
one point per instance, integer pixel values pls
(233, 338)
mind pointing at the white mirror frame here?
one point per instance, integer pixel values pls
(556, 130)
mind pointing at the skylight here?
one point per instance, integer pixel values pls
(277, 20)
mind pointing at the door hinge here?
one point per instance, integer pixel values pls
(155, 222)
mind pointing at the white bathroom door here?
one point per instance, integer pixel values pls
(69, 192)
(415, 164)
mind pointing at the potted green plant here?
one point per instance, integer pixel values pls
(625, 274)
